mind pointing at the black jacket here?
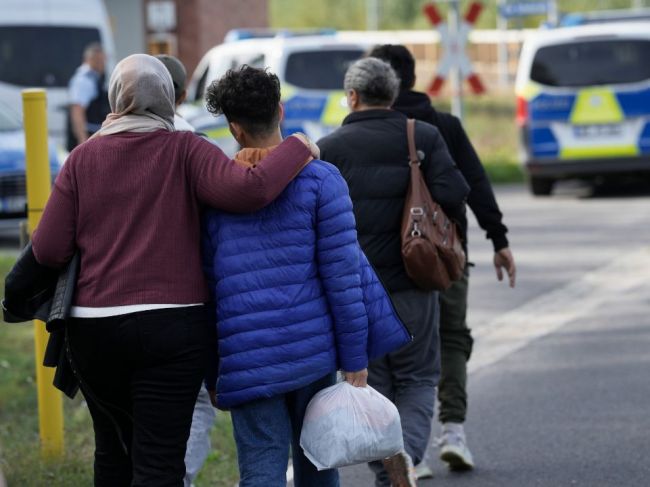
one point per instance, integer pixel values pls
(29, 288)
(371, 151)
(481, 197)
(34, 291)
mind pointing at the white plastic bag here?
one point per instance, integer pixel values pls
(346, 425)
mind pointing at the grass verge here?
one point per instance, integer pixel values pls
(490, 124)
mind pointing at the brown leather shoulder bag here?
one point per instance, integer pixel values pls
(431, 248)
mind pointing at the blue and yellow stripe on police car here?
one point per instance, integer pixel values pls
(327, 108)
(302, 108)
(218, 133)
(600, 106)
(596, 106)
(336, 109)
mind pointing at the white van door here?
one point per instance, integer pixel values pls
(42, 44)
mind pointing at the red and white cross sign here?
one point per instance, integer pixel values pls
(454, 53)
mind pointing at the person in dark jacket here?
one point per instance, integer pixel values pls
(294, 300)
(371, 151)
(455, 337)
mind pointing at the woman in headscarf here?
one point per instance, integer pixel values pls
(128, 201)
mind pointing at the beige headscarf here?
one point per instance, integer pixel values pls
(141, 95)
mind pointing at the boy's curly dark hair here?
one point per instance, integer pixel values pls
(400, 59)
(248, 96)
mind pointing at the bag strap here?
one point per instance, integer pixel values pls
(410, 134)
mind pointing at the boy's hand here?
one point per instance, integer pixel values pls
(214, 400)
(213, 397)
(357, 379)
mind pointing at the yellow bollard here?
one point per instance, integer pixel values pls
(37, 171)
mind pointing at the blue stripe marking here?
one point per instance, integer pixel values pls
(305, 107)
(635, 103)
(545, 107)
(291, 128)
(644, 141)
(543, 142)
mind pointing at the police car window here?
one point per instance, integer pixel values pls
(255, 61)
(591, 63)
(214, 72)
(8, 121)
(200, 86)
(59, 49)
(320, 70)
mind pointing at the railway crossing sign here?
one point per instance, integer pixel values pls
(454, 48)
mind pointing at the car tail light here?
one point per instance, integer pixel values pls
(522, 111)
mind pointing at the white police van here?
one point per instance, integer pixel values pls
(583, 102)
(42, 44)
(310, 68)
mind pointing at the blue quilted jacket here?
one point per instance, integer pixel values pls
(295, 296)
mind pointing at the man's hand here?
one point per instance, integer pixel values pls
(503, 259)
(78, 121)
(313, 148)
(357, 379)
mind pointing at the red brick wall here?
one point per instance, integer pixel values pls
(202, 24)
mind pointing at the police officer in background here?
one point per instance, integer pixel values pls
(88, 98)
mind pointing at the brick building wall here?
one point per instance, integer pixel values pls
(202, 24)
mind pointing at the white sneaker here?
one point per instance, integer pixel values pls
(453, 447)
(423, 471)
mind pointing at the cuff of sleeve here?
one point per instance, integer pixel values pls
(499, 242)
(354, 364)
(296, 143)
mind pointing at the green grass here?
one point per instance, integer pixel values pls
(490, 123)
(19, 440)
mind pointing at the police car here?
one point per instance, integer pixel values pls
(12, 165)
(583, 102)
(310, 67)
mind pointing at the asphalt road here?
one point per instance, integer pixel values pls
(559, 387)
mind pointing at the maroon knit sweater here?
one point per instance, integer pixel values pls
(130, 203)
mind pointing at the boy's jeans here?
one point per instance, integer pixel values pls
(265, 428)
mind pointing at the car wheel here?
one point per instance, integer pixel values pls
(541, 186)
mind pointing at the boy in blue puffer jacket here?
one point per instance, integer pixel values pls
(294, 294)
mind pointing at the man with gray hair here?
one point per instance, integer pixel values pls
(371, 151)
(87, 96)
